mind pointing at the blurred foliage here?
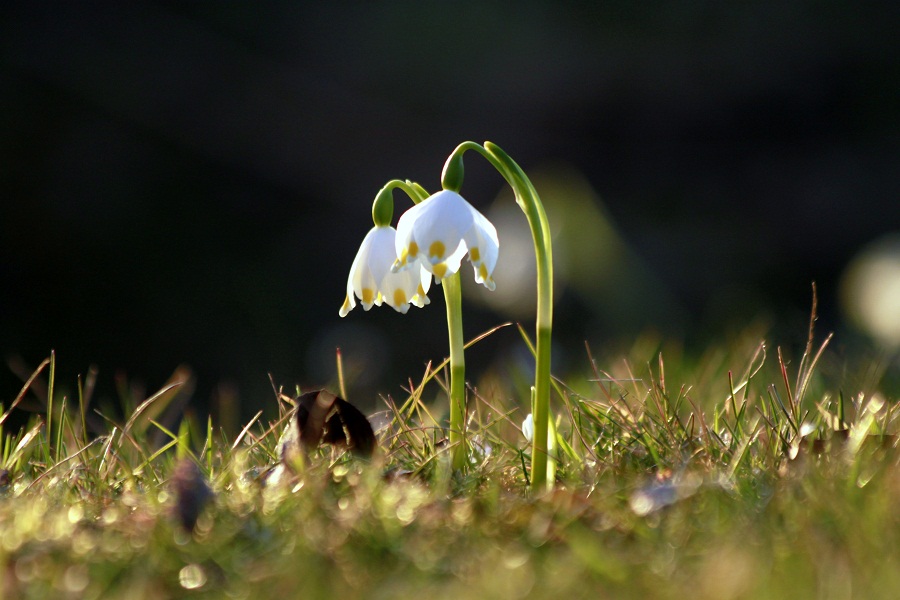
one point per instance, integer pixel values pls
(754, 472)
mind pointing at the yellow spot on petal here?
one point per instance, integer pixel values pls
(368, 295)
(402, 259)
(345, 307)
(482, 270)
(420, 290)
(440, 270)
(436, 250)
(399, 298)
(413, 249)
(474, 254)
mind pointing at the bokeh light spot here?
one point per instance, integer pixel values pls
(870, 290)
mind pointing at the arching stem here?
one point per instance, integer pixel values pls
(542, 463)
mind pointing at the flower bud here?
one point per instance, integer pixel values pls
(383, 207)
(452, 175)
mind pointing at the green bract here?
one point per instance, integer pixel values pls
(383, 207)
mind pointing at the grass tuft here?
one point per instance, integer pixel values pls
(739, 474)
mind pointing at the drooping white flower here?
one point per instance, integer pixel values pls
(372, 281)
(440, 230)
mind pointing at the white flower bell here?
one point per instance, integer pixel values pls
(439, 231)
(372, 281)
(528, 427)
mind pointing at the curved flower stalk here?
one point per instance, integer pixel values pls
(542, 463)
(372, 281)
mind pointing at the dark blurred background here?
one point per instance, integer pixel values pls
(188, 183)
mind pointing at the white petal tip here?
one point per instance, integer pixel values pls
(419, 301)
(346, 307)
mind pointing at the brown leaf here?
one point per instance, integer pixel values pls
(325, 418)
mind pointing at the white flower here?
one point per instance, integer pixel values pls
(528, 427)
(372, 281)
(440, 230)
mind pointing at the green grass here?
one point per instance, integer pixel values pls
(748, 472)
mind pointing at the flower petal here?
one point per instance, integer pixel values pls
(380, 253)
(420, 299)
(373, 282)
(402, 289)
(432, 231)
(366, 273)
(347, 306)
(528, 427)
(440, 227)
(405, 244)
(484, 248)
(440, 231)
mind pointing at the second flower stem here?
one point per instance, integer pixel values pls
(383, 209)
(453, 298)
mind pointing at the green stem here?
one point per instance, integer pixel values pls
(542, 465)
(453, 298)
(530, 202)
